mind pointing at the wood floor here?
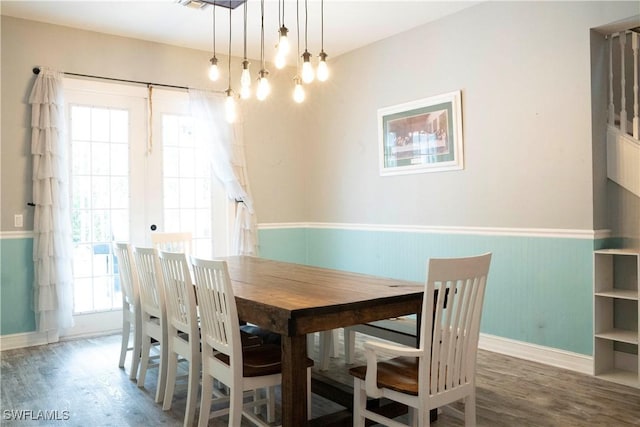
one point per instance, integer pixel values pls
(80, 380)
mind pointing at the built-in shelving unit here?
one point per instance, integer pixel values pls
(616, 308)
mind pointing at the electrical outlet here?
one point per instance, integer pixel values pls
(17, 221)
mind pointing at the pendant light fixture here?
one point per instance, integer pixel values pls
(298, 91)
(230, 102)
(283, 47)
(307, 69)
(245, 77)
(323, 69)
(214, 72)
(264, 88)
(304, 73)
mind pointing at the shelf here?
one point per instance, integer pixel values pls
(621, 377)
(619, 293)
(618, 252)
(616, 285)
(630, 337)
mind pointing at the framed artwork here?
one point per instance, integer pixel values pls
(421, 136)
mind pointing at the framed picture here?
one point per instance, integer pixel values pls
(421, 136)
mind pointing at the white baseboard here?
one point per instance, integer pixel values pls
(27, 339)
(31, 339)
(537, 353)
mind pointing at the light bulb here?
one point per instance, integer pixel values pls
(245, 92)
(307, 68)
(245, 77)
(230, 107)
(280, 61)
(245, 81)
(323, 68)
(307, 72)
(298, 92)
(263, 86)
(214, 71)
(283, 42)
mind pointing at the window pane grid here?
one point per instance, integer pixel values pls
(186, 183)
(100, 203)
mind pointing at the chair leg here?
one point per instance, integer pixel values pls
(309, 400)
(326, 338)
(205, 399)
(192, 392)
(162, 372)
(144, 360)
(335, 343)
(349, 345)
(172, 367)
(470, 410)
(257, 395)
(423, 418)
(311, 342)
(359, 402)
(137, 338)
(235, 405)
(126, 328)
(413, 417)
(271, 404)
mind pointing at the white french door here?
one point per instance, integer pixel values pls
(180, 180)
(134, 167)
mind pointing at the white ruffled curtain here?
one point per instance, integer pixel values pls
(226, 151)
(52, 244)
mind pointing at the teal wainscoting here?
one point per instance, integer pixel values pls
(284, 244)
(539, 289)
(16, 286)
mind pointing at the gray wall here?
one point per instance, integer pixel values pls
(524, 72)
(272, 130)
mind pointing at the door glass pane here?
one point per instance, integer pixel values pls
(100, 203)
(186, 183)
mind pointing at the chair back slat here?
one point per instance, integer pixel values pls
(128, 274)
(452, 309)
(150, 281)
(218, 311)
(179, 292)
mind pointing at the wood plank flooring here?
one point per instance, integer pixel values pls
(80, 380)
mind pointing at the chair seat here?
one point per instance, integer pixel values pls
(260, 360)
(399, 374)
(249, 340)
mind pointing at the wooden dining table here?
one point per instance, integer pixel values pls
(294, 300)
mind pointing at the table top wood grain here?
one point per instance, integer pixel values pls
(294, 300)
(299, 292)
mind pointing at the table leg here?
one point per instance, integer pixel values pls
(294, 381)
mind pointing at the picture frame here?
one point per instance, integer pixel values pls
(421, 136)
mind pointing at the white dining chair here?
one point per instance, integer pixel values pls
(328, 343)
(442, 369)
(173, 242)
(183, 331)
(224, 358)
(153, 318)
(131, 318)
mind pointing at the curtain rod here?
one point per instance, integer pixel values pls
(36, 70)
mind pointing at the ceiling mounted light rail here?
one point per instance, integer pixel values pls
(200, 4)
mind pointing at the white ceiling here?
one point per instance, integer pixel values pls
(348, 24)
